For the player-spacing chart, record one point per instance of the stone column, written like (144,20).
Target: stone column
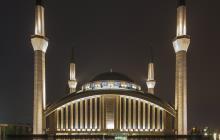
(40,44)
(76,115)
(58,123)
(129,113)
(81,114)
(86,114)
(181,92)
(120,127)
(96,115)
(148,118)
(134,114)
(100,113)
(124,123)
(158,118)
(67,120)
(153,117)
(163,120)
(91,114)
(39,92)
(139,114)
(144,117)
(103,113)
(61,124)
(181,44)
(71,115)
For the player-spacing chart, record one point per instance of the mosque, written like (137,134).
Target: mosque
(111,103)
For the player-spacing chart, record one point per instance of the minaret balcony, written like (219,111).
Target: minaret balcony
(181,43)
(39,43)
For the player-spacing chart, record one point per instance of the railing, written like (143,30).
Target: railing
(110,85)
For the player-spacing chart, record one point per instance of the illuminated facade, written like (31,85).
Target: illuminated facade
(110,106)
(151,82)
(181,44)
(111,103)
(40,44)
(72,80)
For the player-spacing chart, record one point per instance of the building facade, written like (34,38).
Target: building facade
(14,129)
(110,103)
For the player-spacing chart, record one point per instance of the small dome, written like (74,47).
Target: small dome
(112,76)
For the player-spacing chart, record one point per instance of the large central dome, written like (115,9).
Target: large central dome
(112,76)
(111,81)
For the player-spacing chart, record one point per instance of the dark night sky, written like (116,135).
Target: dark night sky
(110,34)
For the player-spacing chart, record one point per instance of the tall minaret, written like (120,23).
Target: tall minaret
(72,81)
(150,80)
(181,44)
(40,44)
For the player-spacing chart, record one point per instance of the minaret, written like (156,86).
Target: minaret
(40,44)
(150,80)
(181,44)
(72,81)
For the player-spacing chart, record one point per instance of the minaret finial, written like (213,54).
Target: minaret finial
(40,2)
(181,2)
(151,59)
(72,56)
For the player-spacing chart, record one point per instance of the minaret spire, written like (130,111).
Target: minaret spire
(39,18)
(72,81)
(40,44)
(40,2)
(181,44)
(181,3)
(150,80)
(181,18)
(151,55)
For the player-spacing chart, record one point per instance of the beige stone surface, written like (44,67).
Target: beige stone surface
(181,91)
(39,92)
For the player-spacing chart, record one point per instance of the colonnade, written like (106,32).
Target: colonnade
(139,115)
(81,115)
(106,112)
